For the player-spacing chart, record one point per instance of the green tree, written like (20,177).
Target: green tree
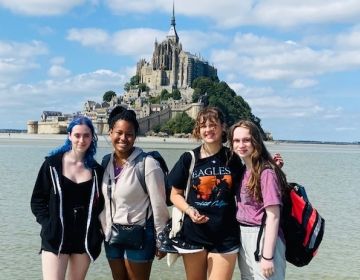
(220,95)
(181,123)
(127,86)
(154,100)
(176,95)
(108,95)
(134,80)
(156,128)
(164,95)
(143,87)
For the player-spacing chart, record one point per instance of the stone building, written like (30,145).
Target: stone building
(171,66)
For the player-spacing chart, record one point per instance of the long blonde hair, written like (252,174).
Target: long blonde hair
(260,159)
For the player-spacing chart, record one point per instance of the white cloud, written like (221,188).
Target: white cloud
(27,50)
(266,103)
(345,128)
(234,13)
(66,95)
(45,30)
(263,58)
(136,42)
(58,71)
(304,83)
(40,7)
(89,37)
(349,39)
(18,58)
(138,6)
(57,60)
(196,41)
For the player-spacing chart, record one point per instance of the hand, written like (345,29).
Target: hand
(159,254)
(195,216)
(278,160)
(267,267)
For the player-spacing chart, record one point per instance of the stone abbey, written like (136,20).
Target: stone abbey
(170,68)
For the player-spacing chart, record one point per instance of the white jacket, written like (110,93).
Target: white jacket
(129,201)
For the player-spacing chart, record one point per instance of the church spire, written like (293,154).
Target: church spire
(173,17)
(172,35)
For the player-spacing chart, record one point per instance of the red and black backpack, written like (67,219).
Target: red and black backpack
(302,225)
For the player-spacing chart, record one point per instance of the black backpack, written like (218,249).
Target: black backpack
(302,225)
(140,170)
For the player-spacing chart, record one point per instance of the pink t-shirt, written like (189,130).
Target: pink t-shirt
(251,212)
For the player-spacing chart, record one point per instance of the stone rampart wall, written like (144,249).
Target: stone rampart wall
(146,124)
(52,127)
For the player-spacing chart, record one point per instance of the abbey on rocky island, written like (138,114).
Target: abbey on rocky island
(170,68)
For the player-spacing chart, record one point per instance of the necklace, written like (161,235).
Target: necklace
(205,152)
(118,167)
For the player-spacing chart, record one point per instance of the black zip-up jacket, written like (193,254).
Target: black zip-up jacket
(47,206)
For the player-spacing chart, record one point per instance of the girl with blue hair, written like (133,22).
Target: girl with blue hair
(66,202)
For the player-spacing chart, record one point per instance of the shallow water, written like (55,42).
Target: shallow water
(328,172)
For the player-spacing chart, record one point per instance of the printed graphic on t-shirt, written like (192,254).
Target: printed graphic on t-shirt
(211,183)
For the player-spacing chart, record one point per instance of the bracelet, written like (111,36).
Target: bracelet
(189,208)
(267,259)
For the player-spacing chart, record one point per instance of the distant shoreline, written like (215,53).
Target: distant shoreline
(156,139)
(315,142)
(101,138)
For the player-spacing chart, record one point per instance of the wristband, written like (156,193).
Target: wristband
(189,208)
(267,259)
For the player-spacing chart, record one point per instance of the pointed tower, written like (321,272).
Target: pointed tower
(172,35)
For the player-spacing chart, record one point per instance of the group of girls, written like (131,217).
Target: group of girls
(70,202)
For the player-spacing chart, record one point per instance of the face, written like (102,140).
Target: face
(122,137)
(80,137)
(242,142)
(211,132)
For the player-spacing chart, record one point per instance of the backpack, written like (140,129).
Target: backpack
(302,225)
(140,170)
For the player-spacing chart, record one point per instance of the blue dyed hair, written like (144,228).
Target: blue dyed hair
(89,160)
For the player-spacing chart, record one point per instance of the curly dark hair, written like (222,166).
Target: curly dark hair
(121,113)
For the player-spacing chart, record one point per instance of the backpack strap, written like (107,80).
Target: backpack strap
(257,251)
(105,160)
(261,230)
(140,170)
(191,169)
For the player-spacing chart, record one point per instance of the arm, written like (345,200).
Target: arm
(271,234)
(156,190)
(41,194)
(177,198)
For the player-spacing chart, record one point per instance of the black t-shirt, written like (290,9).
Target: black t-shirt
(212,192)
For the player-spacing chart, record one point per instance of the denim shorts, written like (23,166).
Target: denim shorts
(143,255)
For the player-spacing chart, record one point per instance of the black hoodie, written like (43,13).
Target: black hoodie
(47,206)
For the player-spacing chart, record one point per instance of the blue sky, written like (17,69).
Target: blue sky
(295,62)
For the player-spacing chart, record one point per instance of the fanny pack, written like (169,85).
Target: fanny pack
(126,236)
